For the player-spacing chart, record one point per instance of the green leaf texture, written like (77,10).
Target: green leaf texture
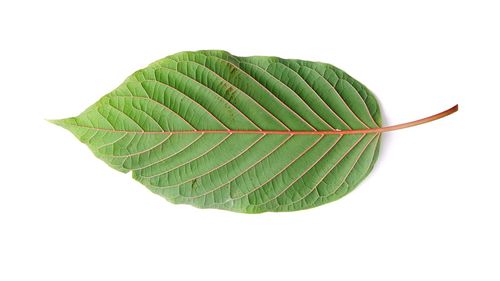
(245,134)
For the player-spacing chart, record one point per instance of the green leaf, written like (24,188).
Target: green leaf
(245,134)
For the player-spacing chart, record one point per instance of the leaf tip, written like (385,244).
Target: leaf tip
(58,122)
(61,122)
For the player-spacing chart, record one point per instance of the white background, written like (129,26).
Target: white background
(429,210)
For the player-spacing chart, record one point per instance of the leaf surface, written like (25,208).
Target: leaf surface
(245,134)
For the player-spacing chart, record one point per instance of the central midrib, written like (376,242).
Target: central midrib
(258,132)
(284,132)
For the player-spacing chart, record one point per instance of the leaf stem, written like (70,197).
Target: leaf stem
(416,122)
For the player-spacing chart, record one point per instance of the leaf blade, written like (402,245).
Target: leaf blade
(213,130)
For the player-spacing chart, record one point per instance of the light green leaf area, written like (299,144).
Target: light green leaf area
(214,130)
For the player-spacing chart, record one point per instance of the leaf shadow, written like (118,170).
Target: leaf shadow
(385,140)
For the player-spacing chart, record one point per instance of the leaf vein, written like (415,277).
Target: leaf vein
(265,88)
(217,94)
(188,97)
(187,163)
(170,156)
(282,170)
(329,171)
(241,91)
(246,170)
(338,94)
(317,94)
